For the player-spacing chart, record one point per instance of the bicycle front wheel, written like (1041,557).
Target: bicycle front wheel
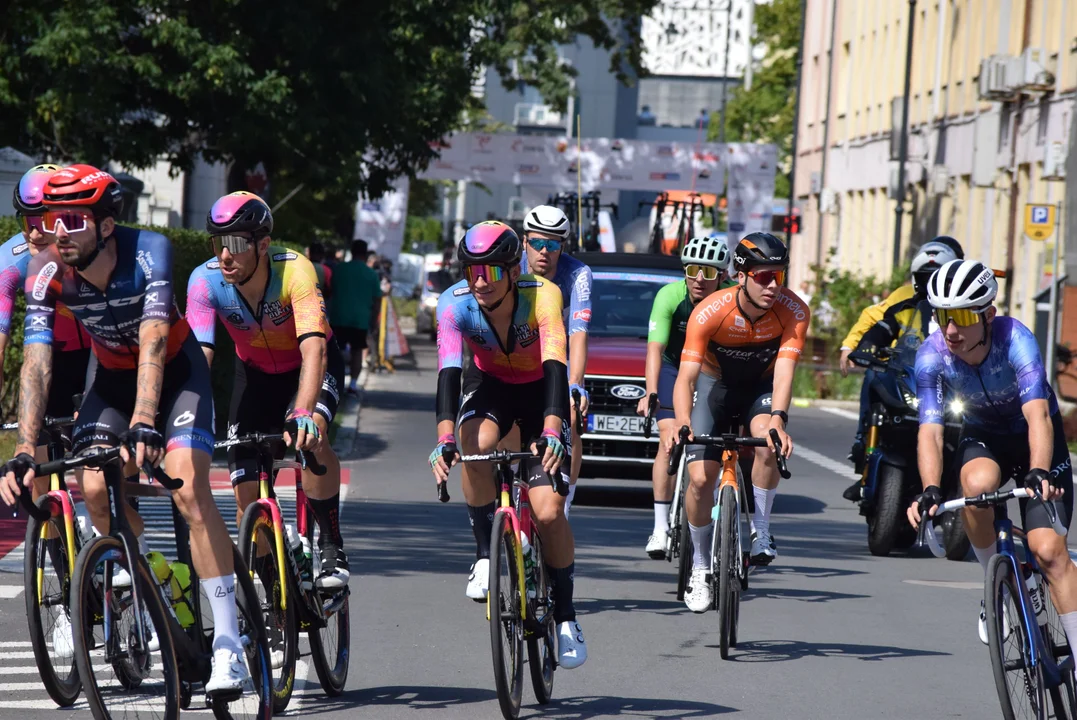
(684,535)
(504,609)
(122,676)
(47,584)
(330,644)
(1019,683)
(257,545)
(727,565)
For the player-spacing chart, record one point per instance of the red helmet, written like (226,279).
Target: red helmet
(84,186)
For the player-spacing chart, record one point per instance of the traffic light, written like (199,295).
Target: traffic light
(783,223)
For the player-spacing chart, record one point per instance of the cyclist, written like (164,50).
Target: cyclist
(870,316)
(546,230)
(290,370)
(1012,427)
(512,325)
(904,324)
(750,338)
(705,261)
(150,377)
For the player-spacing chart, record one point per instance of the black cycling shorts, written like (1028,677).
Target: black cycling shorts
(356,337)
(506,404)
(1011,453)
(184,413)
(667,378)
(719,409)
(260,402)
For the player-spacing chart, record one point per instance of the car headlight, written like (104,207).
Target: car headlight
(430,301)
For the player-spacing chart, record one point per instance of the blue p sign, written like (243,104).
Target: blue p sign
(1039,215)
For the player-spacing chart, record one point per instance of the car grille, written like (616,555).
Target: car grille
(605,403)
(620,449)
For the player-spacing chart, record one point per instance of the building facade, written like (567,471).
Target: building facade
(990,107)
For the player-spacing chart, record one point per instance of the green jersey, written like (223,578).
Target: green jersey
(669,320)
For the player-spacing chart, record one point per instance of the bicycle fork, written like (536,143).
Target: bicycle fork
(506,508)
(63,498)
(278,534)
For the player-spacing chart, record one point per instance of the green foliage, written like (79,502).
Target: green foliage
(840,296)
(420,230)
(809,382)
(765,113)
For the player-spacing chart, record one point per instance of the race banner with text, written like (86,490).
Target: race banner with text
(751,188)
(381,222)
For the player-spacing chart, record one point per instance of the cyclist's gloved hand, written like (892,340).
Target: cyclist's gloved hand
(929,498)
(555,451)
(301,429)
(446,447)
(585,399)
(148,444)
(1042,482)
(13,477)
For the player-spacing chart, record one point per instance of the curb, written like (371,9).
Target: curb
(813,402)
(348,433)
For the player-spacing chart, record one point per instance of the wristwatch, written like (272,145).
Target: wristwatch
(782,414)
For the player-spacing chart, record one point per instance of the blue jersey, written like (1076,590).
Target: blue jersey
(140,288)
(574,279)
(993,392)
(14,261)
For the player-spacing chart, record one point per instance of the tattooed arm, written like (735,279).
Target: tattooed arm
(152,350)
(34,386)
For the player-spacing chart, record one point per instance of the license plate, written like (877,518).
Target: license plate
(621,424)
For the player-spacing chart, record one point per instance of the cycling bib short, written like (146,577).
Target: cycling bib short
(720,409)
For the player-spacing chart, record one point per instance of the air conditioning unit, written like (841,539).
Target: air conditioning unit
(997,79)
(828,202)
(536,115)
(1033,74)
(1054,161)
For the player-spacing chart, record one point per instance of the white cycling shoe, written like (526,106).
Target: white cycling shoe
(478,582)
(656,545)
(763,550)
(230,674)
(982,625)
(571,647)
(63,639)
(698,596)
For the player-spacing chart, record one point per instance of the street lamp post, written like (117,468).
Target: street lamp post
(903,151)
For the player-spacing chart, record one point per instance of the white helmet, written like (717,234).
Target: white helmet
(932,256)
(713,251)
(962,284)
(547,219)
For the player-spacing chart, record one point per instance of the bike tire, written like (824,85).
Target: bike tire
(256,652)
(727,567)
(888,513)
(1001,590)
(61,683)
(503,609)
(330,644)
(676,510)
(684,562)
(257,523)
(542,647)
(84,606)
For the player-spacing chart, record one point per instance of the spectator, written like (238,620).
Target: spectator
(316,253)
(646,117)
(372,260)
(703,120)
(357,290)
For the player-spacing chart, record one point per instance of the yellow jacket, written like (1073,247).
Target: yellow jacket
(873,314)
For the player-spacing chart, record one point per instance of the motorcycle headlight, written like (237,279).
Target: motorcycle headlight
(957,407)
(910,398)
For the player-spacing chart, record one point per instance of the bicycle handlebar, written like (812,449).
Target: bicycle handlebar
(50,423)
(864,359)
(928,536)
(305,458)
(728,441)
(579,415)
(504,456)
(648,419)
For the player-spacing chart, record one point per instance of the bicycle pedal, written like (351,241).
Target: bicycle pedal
(223,696)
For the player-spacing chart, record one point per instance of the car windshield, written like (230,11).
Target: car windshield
(438,281)
(621,300)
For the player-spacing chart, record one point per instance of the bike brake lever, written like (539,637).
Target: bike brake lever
(783,469)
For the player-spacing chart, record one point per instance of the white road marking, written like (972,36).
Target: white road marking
(953,585)
(841,469)
(7,592)
(841,412)
(14,644)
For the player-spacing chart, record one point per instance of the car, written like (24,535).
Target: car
(622,292)
(438,279)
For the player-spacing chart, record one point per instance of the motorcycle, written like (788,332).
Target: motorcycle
(890,478)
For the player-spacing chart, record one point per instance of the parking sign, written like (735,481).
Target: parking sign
(1039,221)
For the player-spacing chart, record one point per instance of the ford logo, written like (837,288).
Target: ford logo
(627,392)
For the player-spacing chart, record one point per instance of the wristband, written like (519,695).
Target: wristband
(782,414)
(447,438)
(298,412)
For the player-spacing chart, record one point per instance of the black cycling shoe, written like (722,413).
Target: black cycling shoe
(854,492)
(334,573)
(857,455)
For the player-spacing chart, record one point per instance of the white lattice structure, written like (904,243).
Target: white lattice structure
(688,37)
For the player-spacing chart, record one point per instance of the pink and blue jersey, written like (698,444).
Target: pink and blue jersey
(536,335)
(993,392)
(574,279)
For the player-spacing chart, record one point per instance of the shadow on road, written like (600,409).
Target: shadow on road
(578,708)
(812,596)
(396,400)
(783,650)
(367,445)
(419,697)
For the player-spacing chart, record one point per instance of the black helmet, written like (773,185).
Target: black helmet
(759,248)
(952,244)
(490,243)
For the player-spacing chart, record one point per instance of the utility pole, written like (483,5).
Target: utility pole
(725,66)
(826,131)
(796,129)
(903,151)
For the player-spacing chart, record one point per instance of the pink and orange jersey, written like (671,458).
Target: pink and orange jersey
(537,332)
(267,337)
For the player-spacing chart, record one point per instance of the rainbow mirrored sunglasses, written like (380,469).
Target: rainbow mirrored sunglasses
(489,273)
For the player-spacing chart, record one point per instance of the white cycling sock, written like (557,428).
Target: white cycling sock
(1069,622)
(764,499)
(221,592)
(661,517)
(568,498)
(984,555)
(701,545)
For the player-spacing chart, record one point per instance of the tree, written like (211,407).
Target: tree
(336,96)
(765,113)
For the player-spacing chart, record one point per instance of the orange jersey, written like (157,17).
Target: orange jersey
(720,331)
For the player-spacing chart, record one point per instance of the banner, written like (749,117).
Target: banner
(392,342)
(381,222)
(751,188)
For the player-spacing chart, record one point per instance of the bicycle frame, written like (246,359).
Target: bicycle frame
(520,523)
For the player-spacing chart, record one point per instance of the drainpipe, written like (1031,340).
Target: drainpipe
(1011,235)
(826,132)
(903,151)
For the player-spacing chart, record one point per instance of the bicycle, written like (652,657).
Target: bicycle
(130,617)
(519,605)
(676,520)
(657,230)
(730,563)
(52,544)
(1016,597)
(289,599)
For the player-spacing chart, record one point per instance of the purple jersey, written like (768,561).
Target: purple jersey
(993,392)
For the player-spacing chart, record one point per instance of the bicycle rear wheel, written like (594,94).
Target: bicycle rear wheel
(541,644)
(330,646)
(256,535)
(122,678)
(505,613)
(47,585)
(726,564)
(676,510)
(1020,686)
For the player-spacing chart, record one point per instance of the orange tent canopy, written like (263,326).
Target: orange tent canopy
(707,199)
